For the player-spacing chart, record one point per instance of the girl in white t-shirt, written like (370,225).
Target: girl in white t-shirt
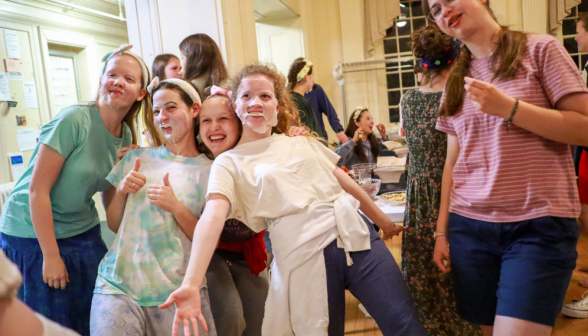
(292,187)
(159,197)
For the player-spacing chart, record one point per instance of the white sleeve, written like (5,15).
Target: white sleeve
(10,278)
(331,158)
(221,182)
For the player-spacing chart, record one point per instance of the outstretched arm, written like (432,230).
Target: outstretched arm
(367,206)
(206,235)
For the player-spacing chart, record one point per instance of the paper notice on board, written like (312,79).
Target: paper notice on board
(30,92)
(4,89)
(27,139)
(12,44)
(15,76)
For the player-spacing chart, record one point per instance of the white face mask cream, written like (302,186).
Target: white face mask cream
(256,104)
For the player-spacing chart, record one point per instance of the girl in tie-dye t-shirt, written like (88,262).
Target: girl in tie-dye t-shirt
(160,196)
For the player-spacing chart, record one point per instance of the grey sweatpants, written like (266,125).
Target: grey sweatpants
(118,315)
(237,297)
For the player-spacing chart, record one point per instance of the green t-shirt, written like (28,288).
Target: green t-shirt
(80,136)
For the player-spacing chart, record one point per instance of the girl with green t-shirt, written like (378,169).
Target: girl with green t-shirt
(49,225)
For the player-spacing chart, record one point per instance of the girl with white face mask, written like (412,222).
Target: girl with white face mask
(507,221)
(159,198)
(50,216)
(292,187)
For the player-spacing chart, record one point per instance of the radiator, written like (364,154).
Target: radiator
(5,190)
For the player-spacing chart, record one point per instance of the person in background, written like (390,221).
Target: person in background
(320,104)
(512,102)
(202,62)
(166,66)
(50,226)
(300,81)
(364,146)
(16,319)
(579,309)
(432,290)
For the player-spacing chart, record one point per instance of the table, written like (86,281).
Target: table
(395,213)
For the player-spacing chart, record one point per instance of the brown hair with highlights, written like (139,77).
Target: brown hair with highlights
(511,46)
(350,132)
(430,43)
(203,59)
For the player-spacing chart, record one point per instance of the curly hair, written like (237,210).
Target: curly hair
(430,43)
(287,111)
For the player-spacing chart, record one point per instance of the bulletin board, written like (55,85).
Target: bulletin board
(20,124)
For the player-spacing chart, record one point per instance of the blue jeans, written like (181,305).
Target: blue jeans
(375,280)
(520,270)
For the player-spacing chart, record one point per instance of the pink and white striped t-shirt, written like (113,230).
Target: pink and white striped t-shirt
(507,174)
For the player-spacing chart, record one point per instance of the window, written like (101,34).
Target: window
(399,73)
(569,33)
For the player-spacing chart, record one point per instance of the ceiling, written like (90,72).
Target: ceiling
(275,9)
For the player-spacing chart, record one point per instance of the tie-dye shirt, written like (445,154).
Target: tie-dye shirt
(150,253)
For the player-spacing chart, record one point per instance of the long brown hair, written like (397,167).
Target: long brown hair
(143,104)
(350,132)
(295,68)
(505,60)
(159,64)
(287,112)
(203,58)
(149,121)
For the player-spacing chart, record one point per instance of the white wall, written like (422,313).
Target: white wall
(280,42)
(42,24)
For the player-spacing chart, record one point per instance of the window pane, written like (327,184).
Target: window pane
(408,79)
(403,27)
(390,46)
(405,44)
(404,9)
(573,12)
(584,60)
(417,10)
(394,115)
(583,7)
(393,97)
(570,44)
(418,23)
(393,81)
(391,31)
(576,59)
(569,27)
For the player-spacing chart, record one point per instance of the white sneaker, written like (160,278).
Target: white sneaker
(577,309)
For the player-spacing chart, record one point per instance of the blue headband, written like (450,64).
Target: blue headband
(451,54)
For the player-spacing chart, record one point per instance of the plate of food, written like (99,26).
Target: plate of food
(396,198)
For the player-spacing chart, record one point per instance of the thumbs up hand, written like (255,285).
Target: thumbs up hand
(134,180)
(163,196)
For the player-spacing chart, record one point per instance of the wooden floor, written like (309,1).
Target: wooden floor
(358,325)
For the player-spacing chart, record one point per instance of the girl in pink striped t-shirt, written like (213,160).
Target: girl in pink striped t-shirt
(512,105)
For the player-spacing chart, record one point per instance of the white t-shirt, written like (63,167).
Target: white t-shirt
(150,253)
(274,177)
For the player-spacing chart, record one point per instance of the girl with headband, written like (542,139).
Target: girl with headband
(512,106)
(300,81)
(432,290)
(321,244)
(159,198)
(363,145)
(50,226)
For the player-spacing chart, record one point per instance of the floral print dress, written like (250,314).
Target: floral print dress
(431,289)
